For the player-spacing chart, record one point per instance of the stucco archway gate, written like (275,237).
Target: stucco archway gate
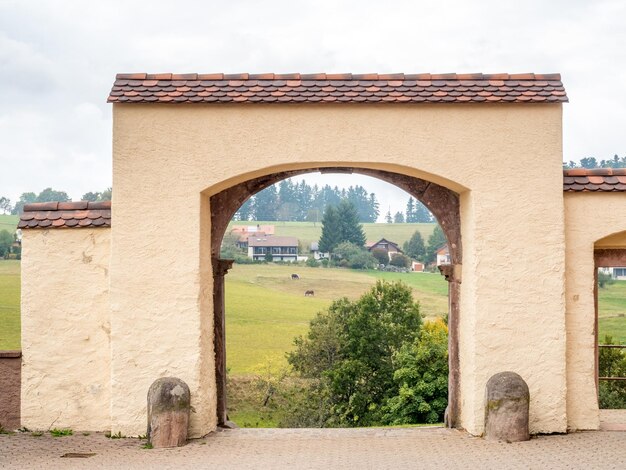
(117,302)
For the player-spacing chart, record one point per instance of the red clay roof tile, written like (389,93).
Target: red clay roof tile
(342,87)
(597,179)
(66,215)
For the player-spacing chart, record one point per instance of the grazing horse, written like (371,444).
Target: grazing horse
(295,277)
(309,293)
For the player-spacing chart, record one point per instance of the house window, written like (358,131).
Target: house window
(276,250)
(619,272)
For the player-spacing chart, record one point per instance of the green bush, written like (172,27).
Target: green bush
(381,256)
(399,260)
(612,363)
(312,262)
(348,354)
(604,279)
(422,378)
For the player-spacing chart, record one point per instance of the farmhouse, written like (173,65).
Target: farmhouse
(244,232)
(281,248)
(385,245)
(443,255)
(316,253)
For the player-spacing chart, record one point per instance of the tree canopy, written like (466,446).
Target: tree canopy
(350,349)
(341,224)
(414,247)
(435,241)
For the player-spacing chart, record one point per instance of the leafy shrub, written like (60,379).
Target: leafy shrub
(312,262)
(421,376)
(381,256)
(604,279)
(612,363)
(348,355)
(399,260)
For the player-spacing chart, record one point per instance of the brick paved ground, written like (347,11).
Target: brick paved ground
(311,448)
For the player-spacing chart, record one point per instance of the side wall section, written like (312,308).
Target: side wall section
(10,376)
(588,218)
(65,328)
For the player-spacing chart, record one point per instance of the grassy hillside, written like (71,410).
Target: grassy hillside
(308,232)
(9,222)
(265,309)
(9,304)
(612,312)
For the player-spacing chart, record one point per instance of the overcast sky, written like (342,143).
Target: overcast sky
(58,59)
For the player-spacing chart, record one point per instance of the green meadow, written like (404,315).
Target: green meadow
(612,312)
(9,222)
(266,309)
(9,304)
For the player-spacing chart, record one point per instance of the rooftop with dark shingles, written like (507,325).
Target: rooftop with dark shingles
(66,215)
(597,179)
(338,88)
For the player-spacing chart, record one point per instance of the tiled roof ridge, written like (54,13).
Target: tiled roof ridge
(55,214)
(66,206)
(595,180)
(337,88)
(594,172)
(338,76)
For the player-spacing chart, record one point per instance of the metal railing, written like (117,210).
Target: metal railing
(612,346)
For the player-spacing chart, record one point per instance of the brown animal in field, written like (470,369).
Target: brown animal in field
(309,293)
(295,277)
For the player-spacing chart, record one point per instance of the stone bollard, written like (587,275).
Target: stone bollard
(506,408)
(169,403)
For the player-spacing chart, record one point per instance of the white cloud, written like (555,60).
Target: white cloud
(58,60)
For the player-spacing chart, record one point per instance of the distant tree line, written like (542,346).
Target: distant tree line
(299,202)
(592,162)
(48,195)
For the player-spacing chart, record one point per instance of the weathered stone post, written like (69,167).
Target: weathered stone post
(169,402)
(506,408)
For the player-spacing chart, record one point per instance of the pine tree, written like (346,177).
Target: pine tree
(398,218)
(388,218)
(435,241)
(414,247)
(266,204)
(350,230)
(245,211)
(374,208)
(330,230)
(421,214)
(410,211)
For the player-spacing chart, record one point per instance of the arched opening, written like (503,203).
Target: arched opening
(441,201)
(610,327)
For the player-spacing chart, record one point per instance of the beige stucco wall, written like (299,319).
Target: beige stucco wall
(589,217)
(505,160)
(65,329)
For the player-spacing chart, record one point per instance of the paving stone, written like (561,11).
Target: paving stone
(371,448)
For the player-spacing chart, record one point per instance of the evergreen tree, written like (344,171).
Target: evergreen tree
(410,211)
(374,208)
(398,218)
(421,214)
(350,230)
(265,204)
(388,218)
(414,247)
(245,211)
(303,199)
(330,230)
(435,241)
